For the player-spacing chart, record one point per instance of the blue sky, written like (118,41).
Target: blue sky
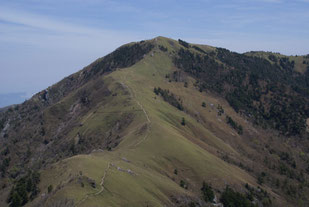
(42,41)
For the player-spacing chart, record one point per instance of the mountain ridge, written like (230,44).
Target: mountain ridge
(106,121)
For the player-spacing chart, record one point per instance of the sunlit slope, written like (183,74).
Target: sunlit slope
(140,169)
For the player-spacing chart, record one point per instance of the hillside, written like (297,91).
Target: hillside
(147,124)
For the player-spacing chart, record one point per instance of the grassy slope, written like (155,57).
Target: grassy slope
(152,148)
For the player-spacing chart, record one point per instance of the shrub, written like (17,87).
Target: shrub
(162,48)
(50,188)
(199,49)
(183,184)
(183,121)
(208,194)
(175,171)
(25,189)
(169,97)
(260,180)
(273,58)
(234,125)
(16,200)
(230,198)
(220,110)
(183,43)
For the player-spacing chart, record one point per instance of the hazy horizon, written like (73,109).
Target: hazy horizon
(44,41)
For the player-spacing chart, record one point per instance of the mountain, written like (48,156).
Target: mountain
(163,123)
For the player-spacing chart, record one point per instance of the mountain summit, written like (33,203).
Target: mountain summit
(163,123)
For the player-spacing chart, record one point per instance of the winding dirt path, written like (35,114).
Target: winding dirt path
(100,191)
(141,106)
(102,180)
(133,96)
(148,122)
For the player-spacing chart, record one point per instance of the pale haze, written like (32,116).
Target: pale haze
(41,42)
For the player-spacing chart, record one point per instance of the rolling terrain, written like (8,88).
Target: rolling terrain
(147,124)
